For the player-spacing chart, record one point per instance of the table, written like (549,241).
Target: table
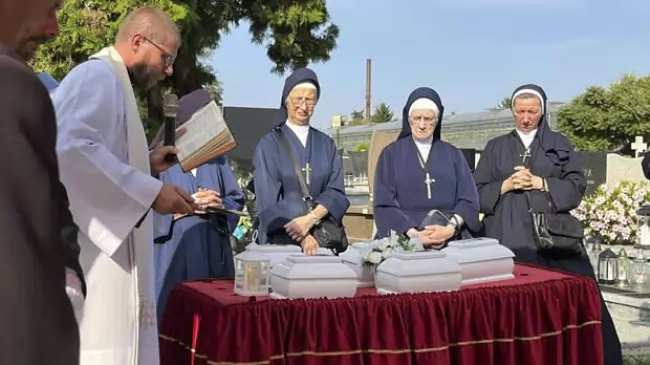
(541,317)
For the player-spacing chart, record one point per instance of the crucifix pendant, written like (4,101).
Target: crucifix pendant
(428,181)
(307,171)
(524,158)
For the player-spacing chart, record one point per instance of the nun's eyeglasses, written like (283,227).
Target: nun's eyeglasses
(418,120)
(297,102)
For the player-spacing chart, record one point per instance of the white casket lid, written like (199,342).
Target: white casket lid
(273,248)
(252,256)
(300,267)
(403,263)
(477,250)
(354,253)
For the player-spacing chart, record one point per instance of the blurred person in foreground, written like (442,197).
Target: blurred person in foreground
(38,235)
(109,172)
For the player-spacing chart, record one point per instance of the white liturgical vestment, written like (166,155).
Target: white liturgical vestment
(104,162)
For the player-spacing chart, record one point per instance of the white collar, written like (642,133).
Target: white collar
(527,137)
(423,142)
(301,131)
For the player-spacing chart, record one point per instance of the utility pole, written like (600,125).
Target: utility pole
(368,78)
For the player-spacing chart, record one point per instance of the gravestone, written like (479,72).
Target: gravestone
(594,166)
(470,157)
(359,163)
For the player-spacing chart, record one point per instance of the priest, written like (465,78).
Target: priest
(284,217)
(535,168)
(196,246)
(423,186)
(107,169)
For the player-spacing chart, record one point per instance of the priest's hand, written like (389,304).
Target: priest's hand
(309,245)
(158,161)
(299,227)
(172,199)
(206,198)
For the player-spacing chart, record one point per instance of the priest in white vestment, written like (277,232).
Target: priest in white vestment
(106,166)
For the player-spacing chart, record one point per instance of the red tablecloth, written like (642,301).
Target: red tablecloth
(541,317)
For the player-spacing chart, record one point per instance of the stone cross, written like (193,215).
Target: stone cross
(638,146)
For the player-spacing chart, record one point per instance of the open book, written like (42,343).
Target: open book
(206,136)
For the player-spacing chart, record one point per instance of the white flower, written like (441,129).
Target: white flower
(375,257)
(383,246)
(386,253)
(393,243)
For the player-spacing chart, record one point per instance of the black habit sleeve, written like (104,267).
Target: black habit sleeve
(645,165)
(569,188)
(488,186)
(34,308)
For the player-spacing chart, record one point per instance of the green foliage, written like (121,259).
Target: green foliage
(363,146)
(383,114)
(357,117)
(603,119)
(636,359)
(505,103)
(294,32)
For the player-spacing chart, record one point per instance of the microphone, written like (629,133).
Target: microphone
(170,108)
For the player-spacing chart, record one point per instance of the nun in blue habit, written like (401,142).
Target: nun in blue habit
(423,186)
(199,246)
(282,212)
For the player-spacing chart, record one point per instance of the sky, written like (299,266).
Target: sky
(473,52)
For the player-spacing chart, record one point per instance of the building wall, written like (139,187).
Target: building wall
(462,134)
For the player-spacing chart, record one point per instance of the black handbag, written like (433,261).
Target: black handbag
(556,234)
(329,233)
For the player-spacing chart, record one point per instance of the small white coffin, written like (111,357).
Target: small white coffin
(482,260)
(275,253)
(353,257)
(417,272)
(312,277)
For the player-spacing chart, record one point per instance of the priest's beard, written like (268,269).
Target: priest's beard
(143,76)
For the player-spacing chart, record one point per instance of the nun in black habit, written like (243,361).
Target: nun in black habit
(534,159)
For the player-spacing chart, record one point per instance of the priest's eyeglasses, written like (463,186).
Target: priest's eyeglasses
(422,119)
(168,59)
(297,102)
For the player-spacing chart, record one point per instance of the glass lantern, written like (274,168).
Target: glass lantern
(638,269)
(643,226)
(252,274)
(622,279)
(593,251)
(607,267)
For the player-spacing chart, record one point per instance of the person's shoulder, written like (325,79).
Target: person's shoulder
(323,137)
(561,140)
(495,142)
(24,99)
(267,142)
(91,75)
(19,81)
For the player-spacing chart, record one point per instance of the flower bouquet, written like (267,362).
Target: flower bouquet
(381,249)
(609,215)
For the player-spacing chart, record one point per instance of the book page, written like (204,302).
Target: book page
(203,127)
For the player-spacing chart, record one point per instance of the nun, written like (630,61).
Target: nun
(283,215)
(198,246)
(423,186)
(535,169)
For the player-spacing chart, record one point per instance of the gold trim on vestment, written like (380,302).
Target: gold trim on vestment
(379,351)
